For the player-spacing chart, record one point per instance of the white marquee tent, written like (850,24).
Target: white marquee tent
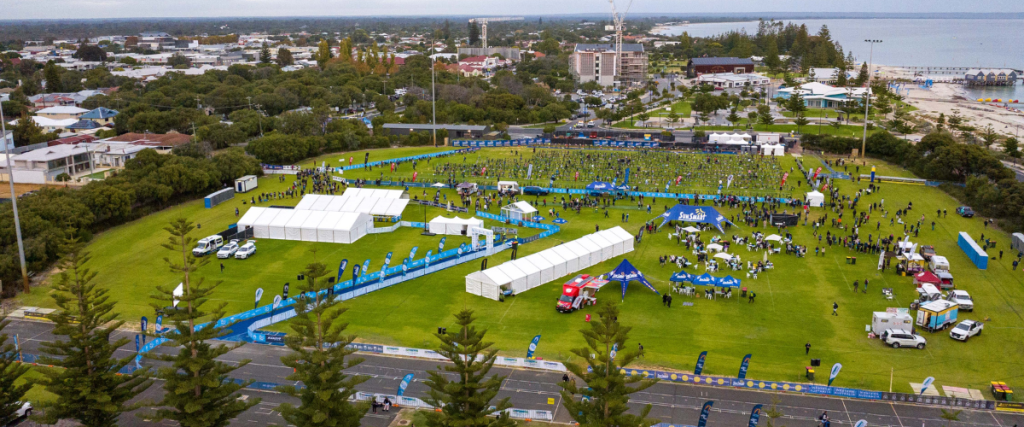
(309,226)
(773,150)
(261,225)
(585,260)
(572,261)
(729,139)
(352,226)
(547,269)
(559,264)
(277,226)
(369,201)
(519,211)
(815,199)
(531,271)
(518,279)
(293,228)
(453,226)
(325,230)
(249,218)
(374,193)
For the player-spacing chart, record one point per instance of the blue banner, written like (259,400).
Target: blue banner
(698,214)
(743,367)
(440,246)
(700,363)
(426,259)
(404,384)
(625,181)
(705,410)
(137,346)
(341,269)
(412,252)
(159,323)
(355,272)
(259,295)
(615,350)
(277,302)
(755,416)
(366,265)
(927,383)
(835,372)
(533,347)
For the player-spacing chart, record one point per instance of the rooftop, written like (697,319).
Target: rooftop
(64,109)
(153,139)
(626,47)
(52,153)
(721,61)
(100,113)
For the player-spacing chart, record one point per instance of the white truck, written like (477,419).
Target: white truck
(961,298)
(966,329)
(208,245)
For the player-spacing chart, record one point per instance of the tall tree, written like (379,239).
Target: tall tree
(771,54)
(284,57)
(197,390)
(764,116)
(1012,147)
(51,72)
(323,53)
(87,385)
(88,52)
(474,33)
(862,76)
(11,370)
(265,54)
(318,359)
(605,383)
(466,401)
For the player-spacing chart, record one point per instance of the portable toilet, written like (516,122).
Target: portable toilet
(882,320)
(936,315)
(1017,242)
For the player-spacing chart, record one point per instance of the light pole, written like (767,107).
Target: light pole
(14,201)
(867,98)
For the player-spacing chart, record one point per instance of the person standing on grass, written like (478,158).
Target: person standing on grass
(641,350)
(222,267)
(835,306)
(807,348)
(855,285)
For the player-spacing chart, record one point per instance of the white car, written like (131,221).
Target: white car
(228,250)
(247,250)
(961,298)
(966,329)
(903,338)
(24,412)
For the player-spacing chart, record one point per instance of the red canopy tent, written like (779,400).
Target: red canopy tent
(926,277)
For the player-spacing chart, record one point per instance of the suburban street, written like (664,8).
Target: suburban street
(531,389)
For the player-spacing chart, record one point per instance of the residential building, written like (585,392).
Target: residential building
(66,99)
(43,165)
(829,76)
(49,125)
(729,80)
(100,115)
(698,66)
(115,154)
(818,95)
(156,40)
(62,112)
(509,53)
(991,77)
(161,142)
(9,140)
(454,131)
(596,62)
(84,126)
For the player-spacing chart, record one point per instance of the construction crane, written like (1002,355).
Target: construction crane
(617,22)
(483,25)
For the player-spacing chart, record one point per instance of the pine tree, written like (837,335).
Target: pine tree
(52,75)
(198,392)
(319,358)
(606,388)
(466,402)
(771,56)
(87,384)
(11,369)
(863,76)
(323,53)
(265,54)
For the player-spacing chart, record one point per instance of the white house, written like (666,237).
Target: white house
(817,95)
(43,165)
(730,80)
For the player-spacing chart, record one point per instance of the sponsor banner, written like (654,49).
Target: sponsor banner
(764,385)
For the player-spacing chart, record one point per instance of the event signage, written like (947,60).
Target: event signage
(159,323)
(615,350)
(137,347)
(705,410)
(144,324)
(404,384)
(341,269)
(440,246)
(835,372)
(755,416)
(927,383)
(743,367)
(277,302)
(701,214)
(366,265)
(355,273)
(861,423)
(284,293)
(700,363)
(259,296)
(533,347)
(426,259)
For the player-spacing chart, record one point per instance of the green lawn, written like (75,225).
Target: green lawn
(793,304)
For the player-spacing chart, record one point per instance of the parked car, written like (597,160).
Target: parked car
(927,252)
(533,190)
(247,250)
(965,211)
(966,329)
(208,245)
(961,298)
(24,412)
(903,338)
(228,250)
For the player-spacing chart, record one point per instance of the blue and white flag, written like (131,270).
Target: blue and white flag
(277,302)
(412,252)
(384,268)
(355,273)
(17,344)
(159,323)
(404,384)
(743,367)
(705,410)
(835,372)
(366,265)
(144,324)
(426,259)
(440,246)
(259,296)
(700,363)
(755,416)
(927,383)
(861,423)
(533,347)
(137,346)
(529,171)
(615,350)
(341,269)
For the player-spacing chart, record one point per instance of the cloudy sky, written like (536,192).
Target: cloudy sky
(44,9)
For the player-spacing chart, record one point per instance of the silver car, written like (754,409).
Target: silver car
(903,338)
(228,250)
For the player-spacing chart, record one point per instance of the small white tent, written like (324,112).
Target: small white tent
(453,226)
(519,211)
(815,199)
(489,283)
(627,239)
(773,150)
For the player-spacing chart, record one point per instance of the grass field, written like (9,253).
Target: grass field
(793,305)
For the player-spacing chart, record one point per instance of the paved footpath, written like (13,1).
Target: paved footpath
(530,389)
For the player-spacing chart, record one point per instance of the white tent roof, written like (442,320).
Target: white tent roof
(321,203)
(293,228)
(367,205)
(381,207)
(250,216)
(310,225)
(492,276)
(397,207)
(351,204)
(336,204)
(307,202)
(538,260)
(523,207)
(325,230)
(815,193)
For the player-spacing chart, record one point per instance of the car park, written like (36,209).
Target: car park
(247,250)
(228,250)
(965,211)
(966,329)
(897,338)
(961,298)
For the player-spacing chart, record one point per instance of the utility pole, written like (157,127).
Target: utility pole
(867,99)
(14,203)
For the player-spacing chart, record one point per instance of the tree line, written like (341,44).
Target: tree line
(91,386)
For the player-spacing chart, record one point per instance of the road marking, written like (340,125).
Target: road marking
(993,414)
(897,414)
(847,411)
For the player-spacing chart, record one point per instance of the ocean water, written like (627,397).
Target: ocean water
(994,43)
(988,43)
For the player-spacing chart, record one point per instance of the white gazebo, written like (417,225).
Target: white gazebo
(519,211)
(815,199)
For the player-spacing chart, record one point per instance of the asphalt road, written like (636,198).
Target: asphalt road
(528,389)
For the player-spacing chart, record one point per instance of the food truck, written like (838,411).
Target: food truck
(937,315)
(579,292)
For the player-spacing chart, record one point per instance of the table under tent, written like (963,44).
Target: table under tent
(526,273)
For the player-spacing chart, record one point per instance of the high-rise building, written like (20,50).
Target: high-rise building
(596,62)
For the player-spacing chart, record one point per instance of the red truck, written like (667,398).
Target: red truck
(579,292)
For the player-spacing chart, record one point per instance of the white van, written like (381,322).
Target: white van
(208,245)
(938,263)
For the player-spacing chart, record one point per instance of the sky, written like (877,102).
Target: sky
(78,9)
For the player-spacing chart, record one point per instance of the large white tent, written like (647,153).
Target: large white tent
(261,225)
(584,254)
(572,261)
(607,248)
(307,202)
(309,226)
(325,230)
(487,283)
(547,269)
(277,226)
(374,193)
(351,227)
(249,218)
(615,240)
(531,271)
(369,201)
(627,239)
(518,280)
(336,204)
(293,228)
(558,264)
(815,199)
(453,226)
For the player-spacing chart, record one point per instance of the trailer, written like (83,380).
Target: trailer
(246,184)
(218,197)
(937,315)
(882,320)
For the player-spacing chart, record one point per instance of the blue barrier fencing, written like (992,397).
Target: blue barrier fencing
(832,172)
(403,159)
(500,142)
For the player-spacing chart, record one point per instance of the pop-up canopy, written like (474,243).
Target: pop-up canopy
(701,214)
(626,273)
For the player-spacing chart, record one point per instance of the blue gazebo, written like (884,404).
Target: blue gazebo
(626,273)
